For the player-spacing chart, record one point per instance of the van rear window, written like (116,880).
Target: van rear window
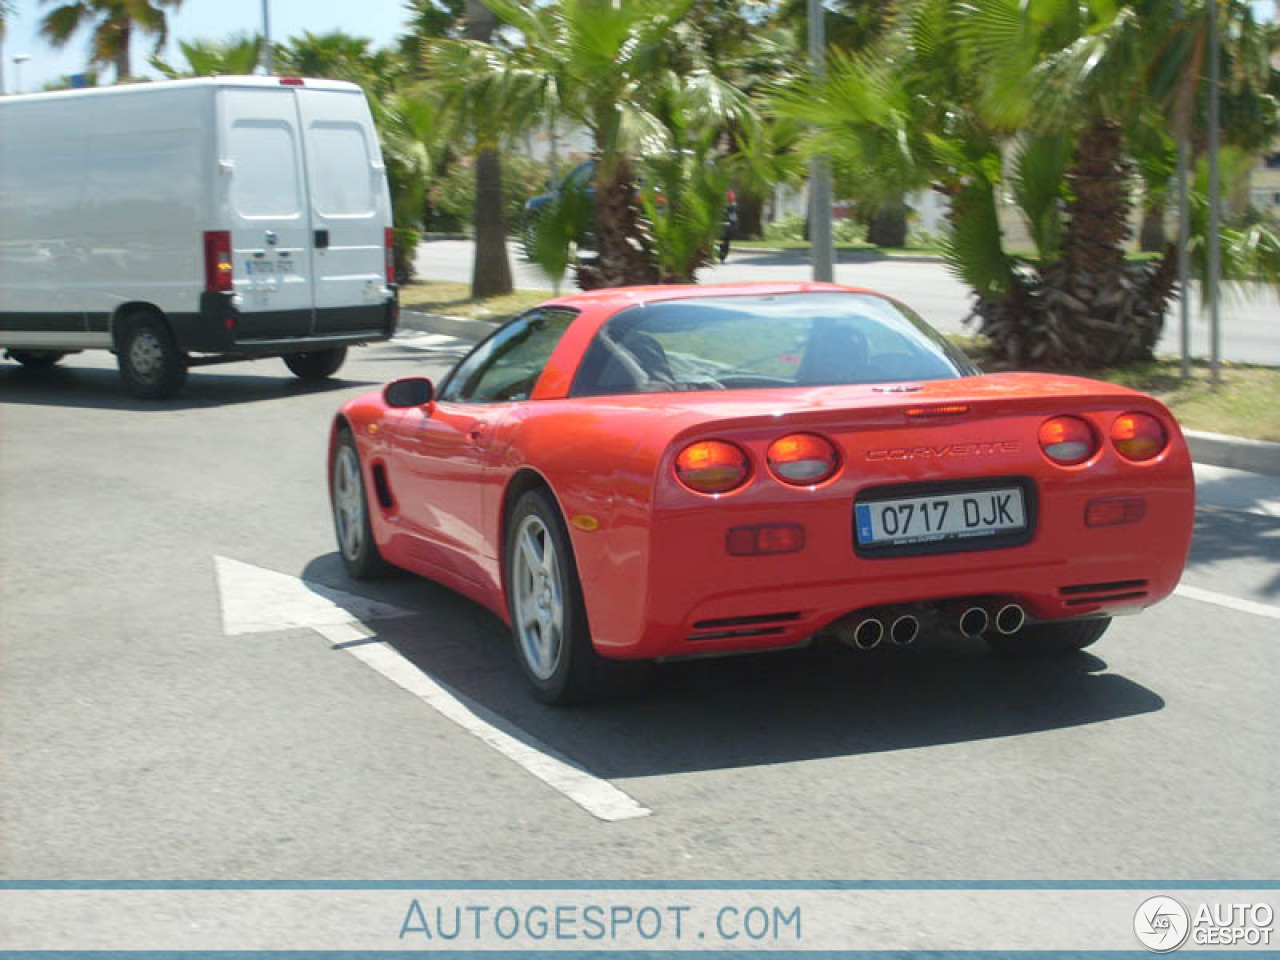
(340,170)
(264,182)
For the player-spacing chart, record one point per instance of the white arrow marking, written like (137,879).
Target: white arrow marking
(255,600)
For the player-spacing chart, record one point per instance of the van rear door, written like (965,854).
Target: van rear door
(270,216)
(350,211)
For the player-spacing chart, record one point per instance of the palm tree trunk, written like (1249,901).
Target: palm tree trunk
(491,269)
(750,214)
(624,248)
(888,226)
(123,66)
(1097,215)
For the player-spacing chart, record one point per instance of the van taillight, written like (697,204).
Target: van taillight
(389,240)
(217,261)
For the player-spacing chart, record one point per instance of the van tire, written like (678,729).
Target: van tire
(37,359)
(149,358)
(316,364)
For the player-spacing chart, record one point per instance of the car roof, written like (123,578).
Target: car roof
(619,297)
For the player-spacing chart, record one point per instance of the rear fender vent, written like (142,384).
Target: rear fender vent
(758,625)
(1082,594)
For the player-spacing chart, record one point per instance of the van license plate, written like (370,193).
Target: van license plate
(956,516)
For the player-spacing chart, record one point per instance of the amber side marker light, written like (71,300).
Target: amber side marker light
(712,466)
(1138,436)
(1067,440)
(802,459)
(764,539)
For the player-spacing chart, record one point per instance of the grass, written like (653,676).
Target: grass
(931,251)
(454,300)
(1247,404)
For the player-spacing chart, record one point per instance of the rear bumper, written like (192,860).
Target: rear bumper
(221,328)
(699,599)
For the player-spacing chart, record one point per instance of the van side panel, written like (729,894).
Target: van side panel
(42,156)
(146,204)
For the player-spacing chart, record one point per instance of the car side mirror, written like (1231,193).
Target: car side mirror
(408,392)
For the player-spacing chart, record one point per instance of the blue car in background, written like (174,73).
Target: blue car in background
(582,177)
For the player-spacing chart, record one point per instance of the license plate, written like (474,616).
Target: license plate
(954,516)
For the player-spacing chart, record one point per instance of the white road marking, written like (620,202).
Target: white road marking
(256,600)
(598,797)
(1233,603)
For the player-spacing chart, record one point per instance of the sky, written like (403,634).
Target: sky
(380,20)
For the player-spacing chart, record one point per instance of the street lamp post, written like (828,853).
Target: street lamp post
(266,38)
(18,60)
(1211,281)
(819,167)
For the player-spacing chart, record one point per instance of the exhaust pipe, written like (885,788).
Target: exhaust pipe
(904,630)
(974,622)
(1010,618)
(868,633)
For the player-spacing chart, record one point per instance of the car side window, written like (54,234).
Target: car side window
(507,365)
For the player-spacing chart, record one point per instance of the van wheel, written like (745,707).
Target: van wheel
(37,359)
(316,364)
(149,358)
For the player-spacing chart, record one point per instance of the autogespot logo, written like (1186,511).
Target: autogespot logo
(1161,924)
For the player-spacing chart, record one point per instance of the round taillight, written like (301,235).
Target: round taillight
(1138,436)
(712,466)
(1067,440)
(802,459)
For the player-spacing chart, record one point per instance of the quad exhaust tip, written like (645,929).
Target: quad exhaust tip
(974,622)
(904,630)
(1010,618)
(868,634)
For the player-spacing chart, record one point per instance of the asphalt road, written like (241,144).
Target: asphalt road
(1250,318)
(138,739)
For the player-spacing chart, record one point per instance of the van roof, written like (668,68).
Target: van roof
(187,83)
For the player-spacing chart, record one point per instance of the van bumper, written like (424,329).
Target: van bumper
(220,327)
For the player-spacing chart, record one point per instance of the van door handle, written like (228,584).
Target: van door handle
(322,239)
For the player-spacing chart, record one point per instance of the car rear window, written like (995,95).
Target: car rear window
(783,340)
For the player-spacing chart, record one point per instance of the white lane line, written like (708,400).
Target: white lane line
(1222,600)
(598,797)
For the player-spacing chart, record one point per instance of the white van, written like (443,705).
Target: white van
(192,222)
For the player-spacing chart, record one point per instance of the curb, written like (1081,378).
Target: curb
(1238,453)
(464,328)
(1215,449)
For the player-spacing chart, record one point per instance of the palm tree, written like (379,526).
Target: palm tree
(236,56)
(595,63)
(114,23)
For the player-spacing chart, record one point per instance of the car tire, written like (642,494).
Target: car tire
(150,361)
(350,504)
(548,617)
(1049,639)
(316,364)
(37,359)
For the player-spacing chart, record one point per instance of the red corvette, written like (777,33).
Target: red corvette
(635,474)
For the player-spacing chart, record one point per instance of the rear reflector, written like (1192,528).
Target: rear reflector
(802,459)
(765,539)
(217,261)
(712,466)
(1114,511)
(1067,440)
(1138,436)
(389,241)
